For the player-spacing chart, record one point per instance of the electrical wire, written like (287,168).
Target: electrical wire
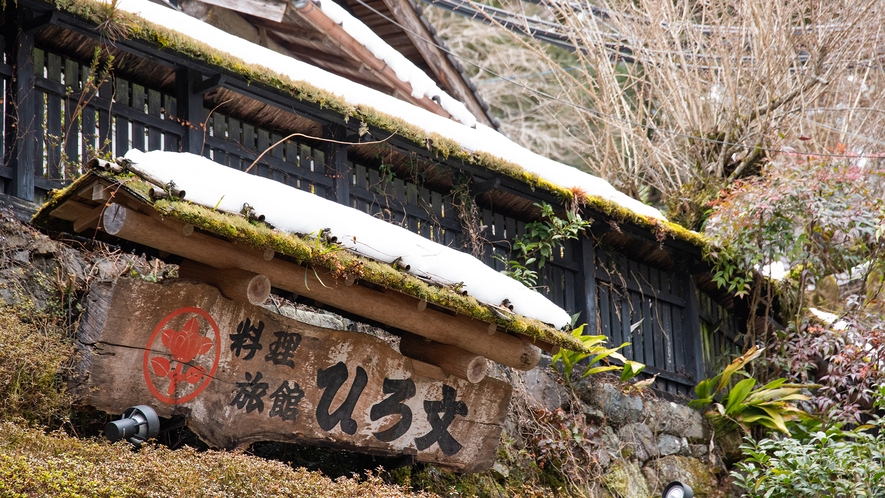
(594,112)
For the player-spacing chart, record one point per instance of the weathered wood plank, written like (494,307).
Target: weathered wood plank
(244,374)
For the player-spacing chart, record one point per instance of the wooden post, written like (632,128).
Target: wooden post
(589,273)
(391,308)
(691,332)
(451,359)
(336,166)
(190,109)
(239,285)
(20,101)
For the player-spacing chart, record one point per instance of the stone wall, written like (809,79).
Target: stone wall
(647,442)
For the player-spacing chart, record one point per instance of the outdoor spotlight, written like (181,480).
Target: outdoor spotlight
(677,490)
(138,424)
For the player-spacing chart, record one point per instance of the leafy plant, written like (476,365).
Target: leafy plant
(596,350)
(540,242)
(849,363)
(816,462)
(816,218)
(742,406)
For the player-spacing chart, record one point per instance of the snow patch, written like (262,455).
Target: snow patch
(296,211)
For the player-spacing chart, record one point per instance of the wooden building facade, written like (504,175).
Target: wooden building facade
(65,101)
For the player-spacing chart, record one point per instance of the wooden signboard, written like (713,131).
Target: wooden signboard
(242,374)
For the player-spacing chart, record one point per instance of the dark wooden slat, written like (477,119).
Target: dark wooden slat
(600,322)
(669,360)
(138,106)
(249,143)
(691,331)
(572,304)
(155,138)
(89,134)
(261,169)
(53,120)
(121,124)
(359,174)
(306,160)
(173,141)
(219,154)
(650,337)
(39,120)
(633,315)
(235,139)
(72,126)
(105,143)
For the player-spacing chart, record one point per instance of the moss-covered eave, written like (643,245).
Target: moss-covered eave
(166,39)
(306,251)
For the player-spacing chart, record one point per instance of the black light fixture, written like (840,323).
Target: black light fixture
(139,423)
(677,490)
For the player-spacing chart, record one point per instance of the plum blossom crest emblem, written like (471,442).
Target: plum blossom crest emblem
(184,362)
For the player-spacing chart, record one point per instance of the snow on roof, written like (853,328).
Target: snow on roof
(292,210)
(422,85)
(481,138)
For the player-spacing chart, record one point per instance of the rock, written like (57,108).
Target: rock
(15,241)
(544,392)
(729,444)
(638,440)
(593,416)
(625,480)
(610,444)
(323,320)
(23,257)
(671,445)
(619,409)
(107,269)
(668,417)
(698,451)
(651,478)
(684,469)
(44,246)
(500,470)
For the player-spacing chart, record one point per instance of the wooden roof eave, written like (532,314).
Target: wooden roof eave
(123,210)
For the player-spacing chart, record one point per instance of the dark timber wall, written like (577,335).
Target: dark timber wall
(59,110)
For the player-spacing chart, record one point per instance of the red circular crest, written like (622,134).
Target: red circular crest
(181,366)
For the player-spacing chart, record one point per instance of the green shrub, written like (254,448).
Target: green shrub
(818,462)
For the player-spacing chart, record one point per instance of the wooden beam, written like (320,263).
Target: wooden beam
(70,211)
(444,70)
(391,308)
(451,359)
(89,219)
(315,16)
(239,285)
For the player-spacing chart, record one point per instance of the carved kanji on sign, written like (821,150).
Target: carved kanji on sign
(249,393)
(331,380)
(441,414)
